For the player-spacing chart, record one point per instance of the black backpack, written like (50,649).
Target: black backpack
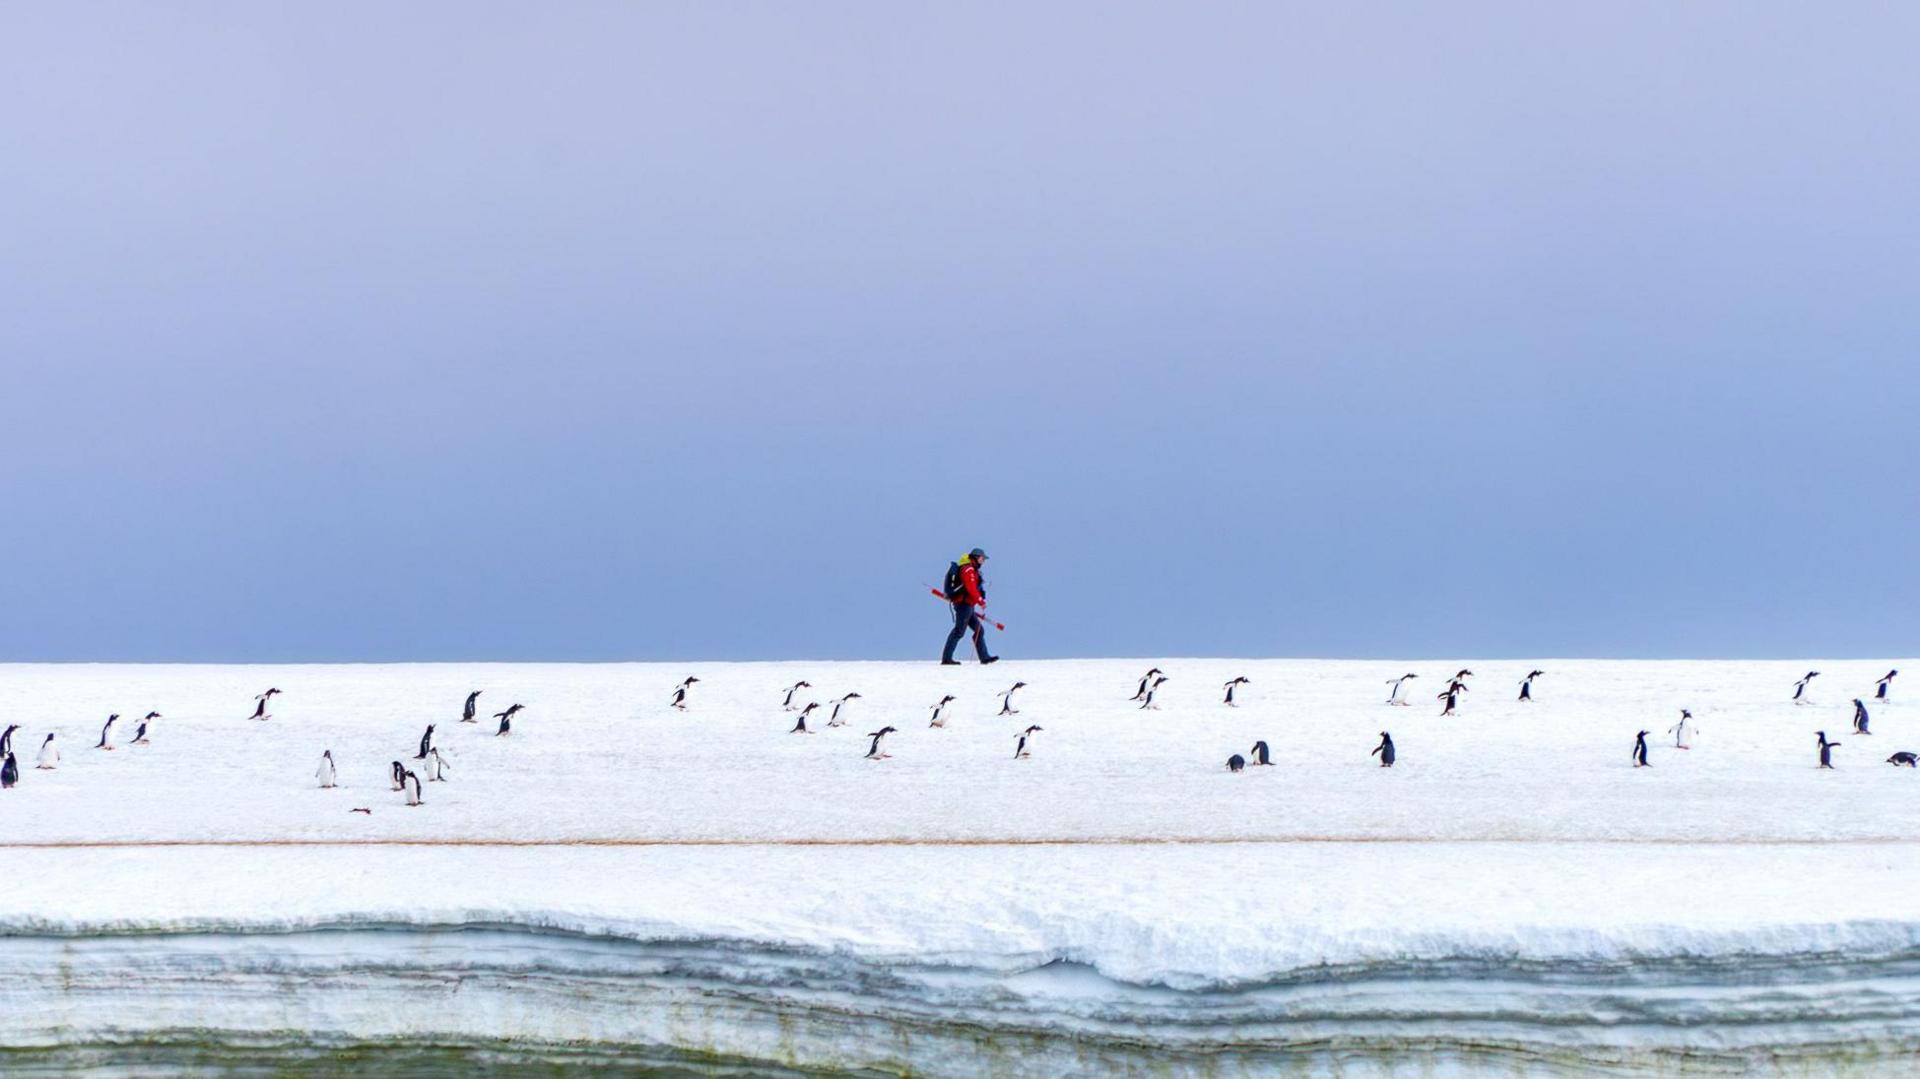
(956,589)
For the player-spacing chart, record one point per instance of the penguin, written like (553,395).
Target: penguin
(1451,695)
(1145,680)
(1800,688)
(1526,687)
(260,707)
(1006,700)
(1384,750)
(49,755)
(398,773)
(1146,703)
(833,718)
(873,751)
(437,767)
(106,733)
(1260,757)
(1880,692)
(411,784)
(801,726)
(1020,751)
(1397,683)
(268,695)
(140,733)
(426,743)
(9,772)
(680,693)
(6,739)
(1240,681)
(1860,717)
(1826,748)
(466,711)
(1640,750)
(506,720)
(1236,762)
(1904,759)
(368,812)
(1462,673)
(325,774)
(1682,730)
(940,711)
(787,704)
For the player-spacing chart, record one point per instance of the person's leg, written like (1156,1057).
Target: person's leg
(979,637)
(960,619)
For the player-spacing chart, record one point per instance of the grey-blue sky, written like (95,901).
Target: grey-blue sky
(713,331)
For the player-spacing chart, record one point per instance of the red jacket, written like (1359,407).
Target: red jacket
(970,580)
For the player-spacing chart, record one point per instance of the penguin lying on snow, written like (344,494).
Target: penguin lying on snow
(1903,759)
(1236,762)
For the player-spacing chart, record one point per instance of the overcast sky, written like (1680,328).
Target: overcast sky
(578,331)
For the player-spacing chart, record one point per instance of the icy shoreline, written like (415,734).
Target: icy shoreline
(970,960)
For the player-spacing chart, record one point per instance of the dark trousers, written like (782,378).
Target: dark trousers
(964,619)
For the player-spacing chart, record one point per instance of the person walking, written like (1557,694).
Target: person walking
(967,594)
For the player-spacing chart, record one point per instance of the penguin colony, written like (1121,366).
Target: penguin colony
(437,769)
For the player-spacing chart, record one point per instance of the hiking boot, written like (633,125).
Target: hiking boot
(949,663)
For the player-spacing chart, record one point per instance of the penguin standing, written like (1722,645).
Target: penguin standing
(873,751)
(940,711)
(437,767)
(426,744)
(1260,757)
(1682,731)
(1006,700)
(680,693)
(106,733)
(398,773)
(833,718)
(787,705)
(1904,759)
(1384,750)
(1148,701)
(411,784)
(1236,762)
(1860,717)
(9,772)
(506,720)
(801,726)
(140,734)
(466,711)
(1526,687)
(6,739)
(1826,748)
(1640,750)
(1451,695)
(1020,751)
(1145,680)
(49,755)
(260,705)
(1397,684)
(1240,681)
(325,774)
(1881,687)
(1800,688)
